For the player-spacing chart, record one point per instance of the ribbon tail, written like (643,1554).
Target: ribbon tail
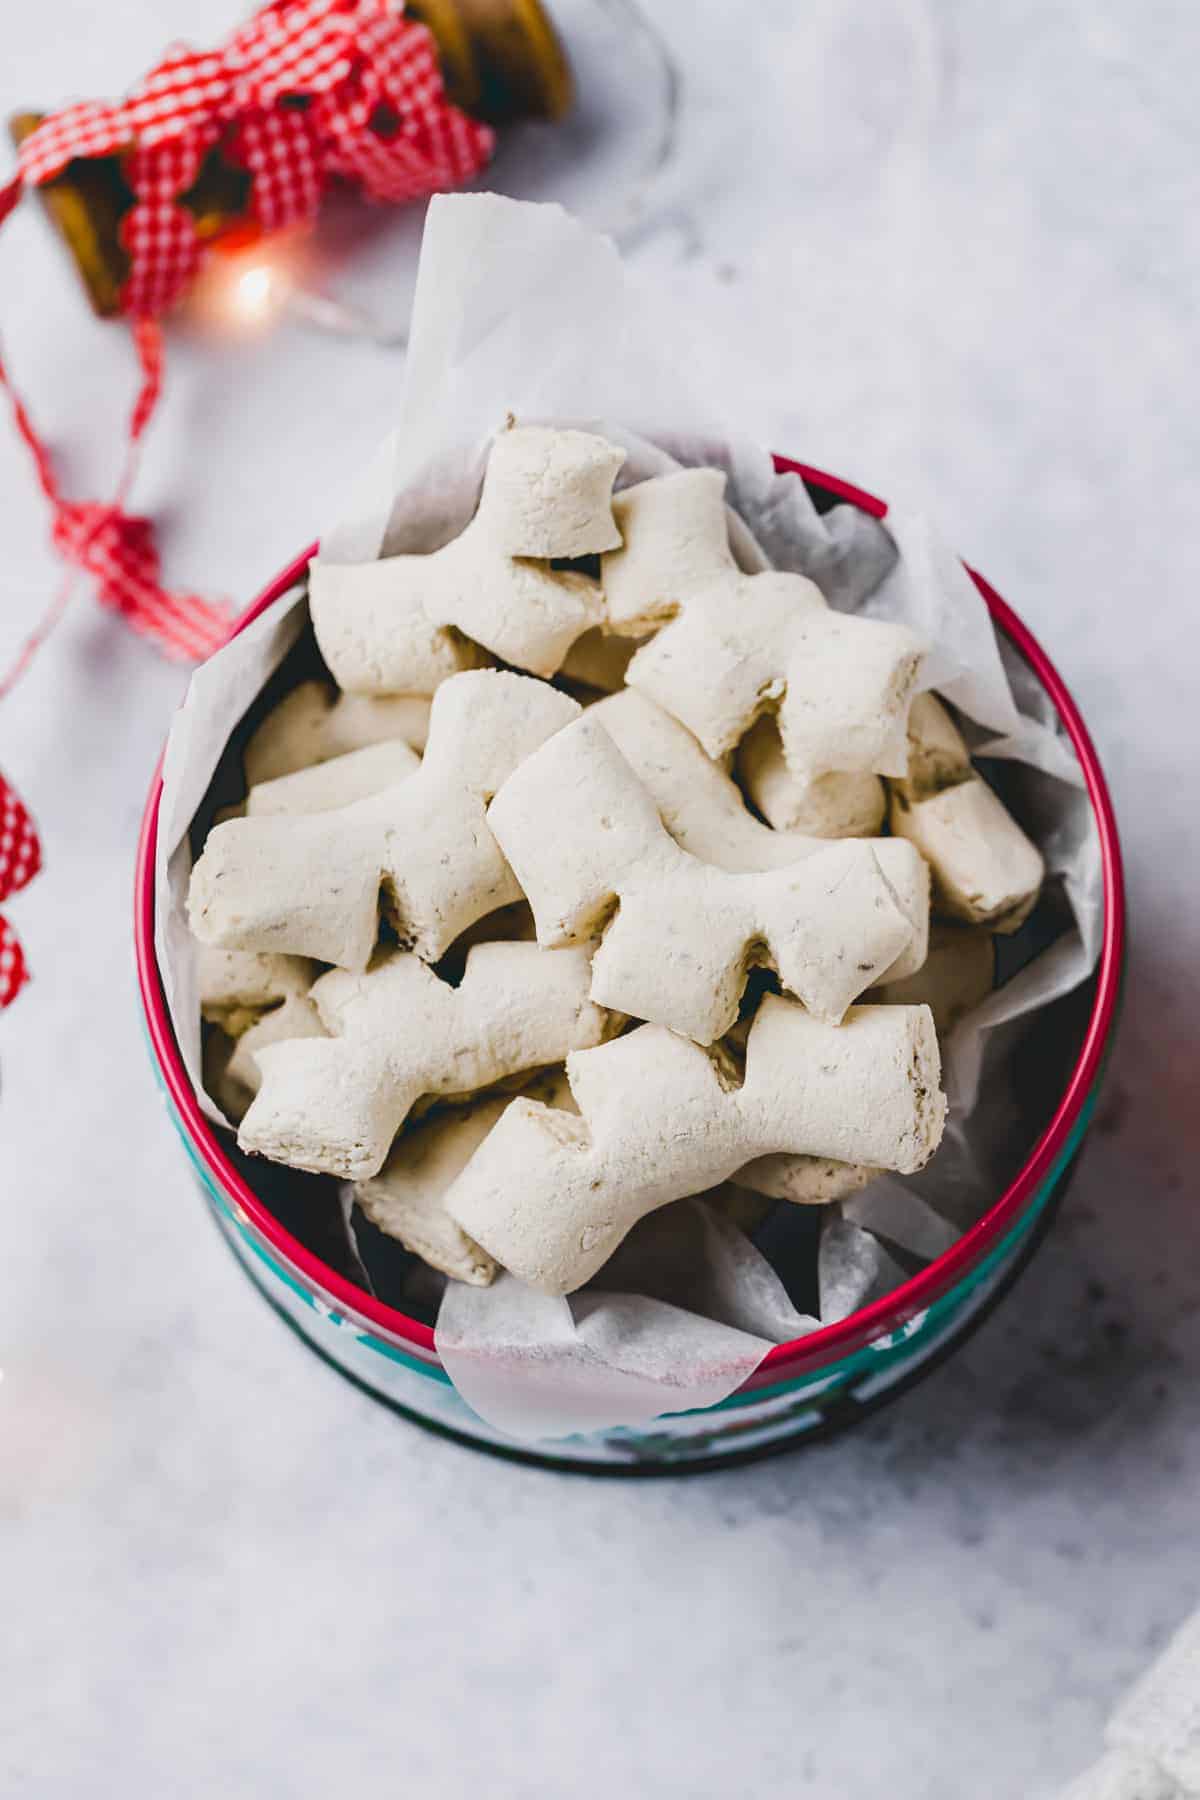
(10,193)
(116,548)
(20,861)
(148,342)
(14,971)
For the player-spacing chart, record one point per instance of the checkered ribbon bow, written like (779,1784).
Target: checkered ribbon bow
(307,91)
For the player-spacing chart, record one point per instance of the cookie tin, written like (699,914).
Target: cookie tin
(802,1389)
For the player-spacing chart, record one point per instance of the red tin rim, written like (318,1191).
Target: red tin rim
(821,1346)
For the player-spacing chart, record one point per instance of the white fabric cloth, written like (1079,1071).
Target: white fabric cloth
(1152,1743)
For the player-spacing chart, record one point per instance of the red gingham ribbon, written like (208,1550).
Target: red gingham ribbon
(116,547)
(305,91)
(20,860)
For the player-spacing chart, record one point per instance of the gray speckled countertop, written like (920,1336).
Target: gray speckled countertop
(951,252)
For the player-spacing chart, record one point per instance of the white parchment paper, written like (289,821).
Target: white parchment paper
(520,309)
(218,694)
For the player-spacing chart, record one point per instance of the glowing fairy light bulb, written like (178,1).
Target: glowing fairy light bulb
(257,293)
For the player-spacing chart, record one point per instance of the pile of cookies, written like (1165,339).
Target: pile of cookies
(480,940)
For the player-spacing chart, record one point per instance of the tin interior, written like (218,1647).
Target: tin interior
(298,1216)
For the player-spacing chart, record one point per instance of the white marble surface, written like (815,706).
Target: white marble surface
(950,251)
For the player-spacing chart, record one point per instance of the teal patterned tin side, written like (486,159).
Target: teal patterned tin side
(749,1422)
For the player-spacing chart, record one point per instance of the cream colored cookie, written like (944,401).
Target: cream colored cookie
(247,981)
(675,538)
(216,1050)
(835,805)
(804,1180)
(251,1000)
(314,723)
(677,949)
(697,801)
(986,870)
(313,885)
(397,1033)
(550,1196)
(339,782)
(704,811)
(937,752)
(406,623)
(297,1017)
(391,626)
(406,1200)
(736,646)
(548,493)
(744,645)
